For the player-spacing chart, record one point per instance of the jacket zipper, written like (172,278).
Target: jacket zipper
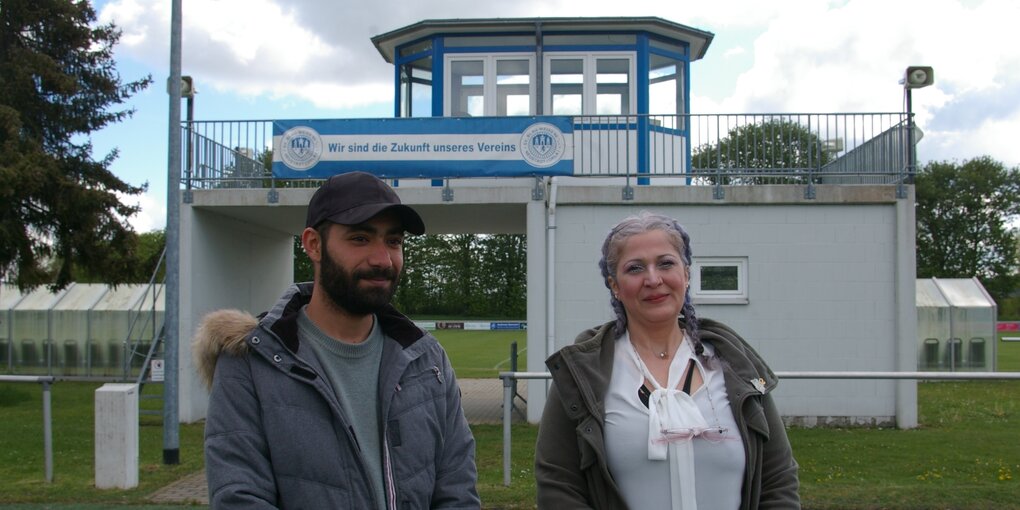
(391,491)
(349,428)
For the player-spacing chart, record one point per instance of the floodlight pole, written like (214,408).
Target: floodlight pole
(911,153)
(171,325)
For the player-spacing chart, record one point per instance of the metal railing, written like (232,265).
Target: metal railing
(46,381)
(510,384)
(705,149)
(139,347)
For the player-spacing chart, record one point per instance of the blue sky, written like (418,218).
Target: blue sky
(276,59)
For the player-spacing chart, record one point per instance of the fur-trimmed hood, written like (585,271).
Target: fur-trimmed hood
(226,331)
(220,331)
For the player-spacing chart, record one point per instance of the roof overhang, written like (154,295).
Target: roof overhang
(698,40)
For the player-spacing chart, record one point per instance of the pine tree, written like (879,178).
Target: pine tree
(58,204)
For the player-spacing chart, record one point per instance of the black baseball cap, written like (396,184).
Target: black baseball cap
(356,197)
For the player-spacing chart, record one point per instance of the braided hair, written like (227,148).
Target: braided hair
(612,248)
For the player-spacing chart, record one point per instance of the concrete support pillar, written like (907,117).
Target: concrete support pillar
(225,263)
(117,436)
(537,320)
(906,310)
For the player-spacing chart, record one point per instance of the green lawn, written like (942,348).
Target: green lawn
(21,448)
(965,454)
(1008,355)
(482,354)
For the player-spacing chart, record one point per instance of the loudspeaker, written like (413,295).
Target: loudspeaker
(187,86)
(918,76)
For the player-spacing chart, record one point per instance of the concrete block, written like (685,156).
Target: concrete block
(117,436)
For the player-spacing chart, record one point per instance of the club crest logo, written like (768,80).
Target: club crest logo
(542,145)
(300,148)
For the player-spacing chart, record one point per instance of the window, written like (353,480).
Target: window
(589,84)
(566,86)
(459,41)
(590,40)
(416,88)
(612,86)
(416,48)
(513,87)
(467,88)
(490,85)
(665,89)
(718,280)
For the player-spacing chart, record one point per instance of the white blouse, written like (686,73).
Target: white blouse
(636,459)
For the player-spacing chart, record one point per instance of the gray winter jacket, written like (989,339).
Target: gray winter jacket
(571,469)
(276,435)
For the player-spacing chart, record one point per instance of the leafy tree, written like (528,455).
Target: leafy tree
(148,259)
(58,205)
(461,275)
(502,274)
(963,212)
(1009,305)
(763,153)
(151,256)
(303,270)
(420,290)
(464,275)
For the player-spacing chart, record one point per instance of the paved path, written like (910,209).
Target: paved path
(482,400)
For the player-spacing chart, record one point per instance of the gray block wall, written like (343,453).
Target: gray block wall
(821,292)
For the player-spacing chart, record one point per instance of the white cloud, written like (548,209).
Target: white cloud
(735,51)
(144,25)
(153,211)
(319,50)
(711,16)
(848,58)
(828,61)
(993,137)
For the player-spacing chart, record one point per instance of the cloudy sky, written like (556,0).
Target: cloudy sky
(289,59)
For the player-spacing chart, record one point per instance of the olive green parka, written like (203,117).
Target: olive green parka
(570,457)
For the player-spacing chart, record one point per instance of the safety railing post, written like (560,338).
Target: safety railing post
(45,381)
(47,431)
(508,395)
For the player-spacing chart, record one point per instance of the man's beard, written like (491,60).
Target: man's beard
(342,287)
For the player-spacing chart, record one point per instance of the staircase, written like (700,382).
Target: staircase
(142,349)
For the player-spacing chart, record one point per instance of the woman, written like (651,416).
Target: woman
(659,409)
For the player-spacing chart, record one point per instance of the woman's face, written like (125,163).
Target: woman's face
(651,279)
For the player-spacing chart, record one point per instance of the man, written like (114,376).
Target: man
(333,399)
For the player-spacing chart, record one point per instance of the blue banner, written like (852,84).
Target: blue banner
(508,325)
(428,147)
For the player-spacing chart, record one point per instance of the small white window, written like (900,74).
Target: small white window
(719,280)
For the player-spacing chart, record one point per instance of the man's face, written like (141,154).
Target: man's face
(360,266)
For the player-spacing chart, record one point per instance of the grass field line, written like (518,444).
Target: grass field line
(507,361)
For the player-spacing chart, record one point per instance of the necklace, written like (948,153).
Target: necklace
(662,354)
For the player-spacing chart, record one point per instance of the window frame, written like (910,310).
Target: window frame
(739,296)
(489,86)
(589,88)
